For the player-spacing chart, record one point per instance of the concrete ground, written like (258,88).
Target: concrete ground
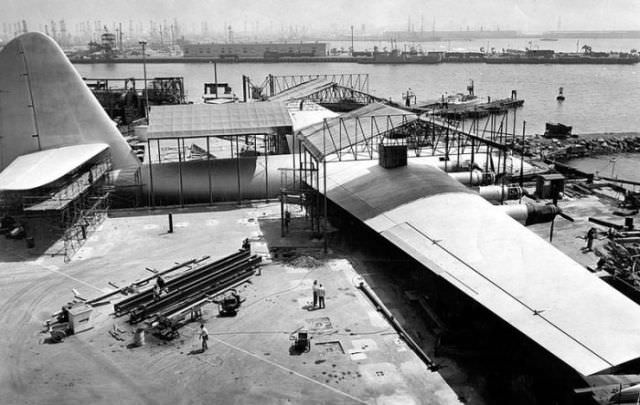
(355,356)
(569,237)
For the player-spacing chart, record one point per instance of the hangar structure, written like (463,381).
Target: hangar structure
(466,241)
(57,145)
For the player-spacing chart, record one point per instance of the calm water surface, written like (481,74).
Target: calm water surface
(622,166)
(599,98)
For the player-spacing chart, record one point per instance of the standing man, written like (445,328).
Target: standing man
(156,292)
(161,284)
(204,335)
(321,293)
(591,235)
(315,293)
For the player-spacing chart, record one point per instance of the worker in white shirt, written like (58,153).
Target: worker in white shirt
(204,336)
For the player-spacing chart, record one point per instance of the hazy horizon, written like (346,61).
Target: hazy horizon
(338,15)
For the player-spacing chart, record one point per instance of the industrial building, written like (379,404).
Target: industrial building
(395,176)
(237,51)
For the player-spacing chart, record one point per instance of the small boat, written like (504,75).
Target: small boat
(557,130)
(560,96)
(218,93)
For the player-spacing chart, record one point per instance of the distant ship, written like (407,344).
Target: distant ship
(547,56)
(397,57)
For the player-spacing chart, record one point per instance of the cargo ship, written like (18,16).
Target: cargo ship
(463,57)
(397,57)
(549,56)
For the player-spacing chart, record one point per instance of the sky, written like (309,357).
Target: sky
(339,15)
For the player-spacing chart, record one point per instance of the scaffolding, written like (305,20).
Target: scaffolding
(73,206)
(123,101)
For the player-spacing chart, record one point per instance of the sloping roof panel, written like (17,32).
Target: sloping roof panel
(304,89)
(216,119)
(38,169)
(494,260)
(336,134)
(307,113)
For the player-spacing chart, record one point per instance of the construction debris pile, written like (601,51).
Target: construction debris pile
(307,262)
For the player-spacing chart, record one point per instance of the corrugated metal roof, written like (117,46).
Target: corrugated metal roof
(335,134)
(217,119)
(38,169)
(303,90)
(493,259)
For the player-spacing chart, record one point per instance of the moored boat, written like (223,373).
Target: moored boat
(397,57)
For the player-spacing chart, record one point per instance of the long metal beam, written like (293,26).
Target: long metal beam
(193,287)
(146,296)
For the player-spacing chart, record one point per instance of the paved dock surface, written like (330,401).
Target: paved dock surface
(355,356)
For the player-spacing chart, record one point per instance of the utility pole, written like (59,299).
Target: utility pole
(524,125)
(352,48)
(144,67)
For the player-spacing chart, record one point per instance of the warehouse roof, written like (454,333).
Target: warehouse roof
(217,119)
(338,133)
(305,113)
(38,169)
(494,260)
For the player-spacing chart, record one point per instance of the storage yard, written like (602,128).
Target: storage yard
(193,259)
(355,356)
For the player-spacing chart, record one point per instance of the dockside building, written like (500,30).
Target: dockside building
(254,50)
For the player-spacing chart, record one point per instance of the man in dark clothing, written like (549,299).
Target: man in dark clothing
(591,235)
(321,293)
(315,293)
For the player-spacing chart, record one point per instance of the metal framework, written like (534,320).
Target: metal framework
(274,85)
(120,97)
(355,138)
(335,93)
(213,147)
(356,81)
(75,208)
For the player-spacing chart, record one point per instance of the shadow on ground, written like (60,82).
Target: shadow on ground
(47,240)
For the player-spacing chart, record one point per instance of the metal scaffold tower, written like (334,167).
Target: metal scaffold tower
(74,207)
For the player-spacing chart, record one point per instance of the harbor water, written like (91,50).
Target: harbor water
(599,98)
(624,166)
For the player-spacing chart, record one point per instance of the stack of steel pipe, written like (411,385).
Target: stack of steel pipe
(201,296)
(198,281)
(127,305)
(210,284)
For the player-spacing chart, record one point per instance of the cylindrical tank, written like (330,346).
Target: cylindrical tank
(251,177)
(456,165)
(473,178)
(529,214)
(500,192)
